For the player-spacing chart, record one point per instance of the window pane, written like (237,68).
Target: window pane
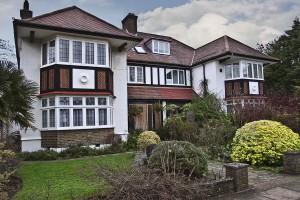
(175,77)
(64,101)
(255,72)
(44,102)
(77,101)
(245,71)
(181,77)
(52,118)
(44,118)
(228,72)
(90,117)
(161,46)
(52,101)
(169,77)
(89,53)
(249,70)
(132,74)
(110,101)
(260,69)
(101,101)
(52,51)
(101,57)
(139,74)
(64,118)
(63,50)
(90,101)
(102,116)
(155,45)
(236,70)
(77,117)
(44,54)
(77,52)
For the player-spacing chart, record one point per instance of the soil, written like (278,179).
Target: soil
(14,185)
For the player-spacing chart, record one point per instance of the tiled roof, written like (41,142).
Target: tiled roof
(163,93)
(181,54)
(227,46)
(73,18)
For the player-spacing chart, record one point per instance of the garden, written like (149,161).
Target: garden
(168,163)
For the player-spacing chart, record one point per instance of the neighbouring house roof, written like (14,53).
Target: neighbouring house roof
(227,46)
(76,20)
(162,93)
(180,54)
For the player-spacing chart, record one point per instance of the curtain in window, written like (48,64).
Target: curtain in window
(90,117)
(77,117)
(101,54)
(77,52)
(103,116)
(64,118)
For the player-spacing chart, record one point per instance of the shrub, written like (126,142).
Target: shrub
(39,155)
(263,142)
(179,157)
(146,138)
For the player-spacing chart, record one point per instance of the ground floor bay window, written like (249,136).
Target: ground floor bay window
(76,112)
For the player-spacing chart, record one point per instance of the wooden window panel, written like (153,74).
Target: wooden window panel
(44,79)
(101,80)
(64,78)
(51,79)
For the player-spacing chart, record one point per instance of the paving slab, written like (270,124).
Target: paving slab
(295,186)
(279,193)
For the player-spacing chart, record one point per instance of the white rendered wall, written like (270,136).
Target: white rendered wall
(188,78)
(30,63)
(119,68)
(215,78)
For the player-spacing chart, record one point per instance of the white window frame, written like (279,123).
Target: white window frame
(57,107)
(108,54)
(243,67)
(172,78)
(161,45)
(136,74)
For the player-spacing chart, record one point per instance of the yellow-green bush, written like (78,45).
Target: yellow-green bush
(263,142)
(146,138)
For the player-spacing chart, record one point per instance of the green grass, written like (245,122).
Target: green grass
(66,179)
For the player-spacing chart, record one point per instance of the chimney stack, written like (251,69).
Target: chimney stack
(130,23)
(25,13)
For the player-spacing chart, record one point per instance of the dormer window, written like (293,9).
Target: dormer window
(159,47)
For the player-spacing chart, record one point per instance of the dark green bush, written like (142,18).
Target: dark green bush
(179,157)
(39,155)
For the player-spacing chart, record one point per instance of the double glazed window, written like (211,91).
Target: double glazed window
(76,52)
(175,77)
(76,112)
(160,47)
(135,74)
(244,70)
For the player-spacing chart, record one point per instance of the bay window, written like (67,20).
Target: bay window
(244,69)
(76,112)
(69,51)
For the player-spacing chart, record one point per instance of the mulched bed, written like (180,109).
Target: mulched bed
(14,185)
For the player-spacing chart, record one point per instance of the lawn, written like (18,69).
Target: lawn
(65,179)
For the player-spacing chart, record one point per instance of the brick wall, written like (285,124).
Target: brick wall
(65,138)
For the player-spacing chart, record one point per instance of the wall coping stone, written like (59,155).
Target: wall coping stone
(236,165)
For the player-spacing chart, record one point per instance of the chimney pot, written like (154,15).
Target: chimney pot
(130,23)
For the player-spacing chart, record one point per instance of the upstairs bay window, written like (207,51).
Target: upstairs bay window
(135,74)
(83,52)
(77,113)
(175,77)
(249,70)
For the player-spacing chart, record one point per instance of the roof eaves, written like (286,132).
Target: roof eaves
(47,27)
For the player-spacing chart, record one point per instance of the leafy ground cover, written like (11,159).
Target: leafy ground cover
(66,179)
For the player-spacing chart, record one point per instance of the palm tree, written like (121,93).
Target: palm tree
(17,94)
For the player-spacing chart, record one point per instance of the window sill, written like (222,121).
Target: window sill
(76,128)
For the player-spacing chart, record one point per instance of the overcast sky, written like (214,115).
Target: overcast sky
(194,22)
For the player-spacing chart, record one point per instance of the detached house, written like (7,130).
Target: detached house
(91,74)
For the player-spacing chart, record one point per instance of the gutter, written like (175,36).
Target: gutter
(16,42)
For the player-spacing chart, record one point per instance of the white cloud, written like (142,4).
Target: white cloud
(201,21)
